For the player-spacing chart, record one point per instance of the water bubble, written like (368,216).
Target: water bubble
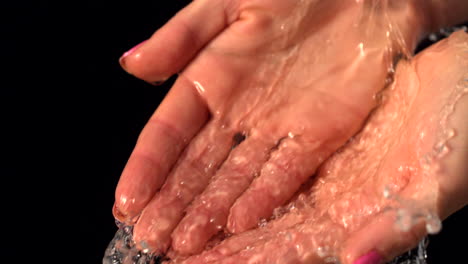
(433,224)
(262,223)
(323,251)
(279,212)
(331,259)
(450,133)
(433,37)
(388,191)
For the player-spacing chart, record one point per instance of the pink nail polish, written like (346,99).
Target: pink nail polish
(133,49)
(122,58)
(370,258)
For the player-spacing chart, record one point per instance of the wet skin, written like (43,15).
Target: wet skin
(295,80)
(344,209)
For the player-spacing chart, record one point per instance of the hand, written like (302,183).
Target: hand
(380,194)
(267,91)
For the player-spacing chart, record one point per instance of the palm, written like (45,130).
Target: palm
(295,81)
(397,165)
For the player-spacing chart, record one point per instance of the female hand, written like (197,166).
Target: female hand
(267,91)
(384,190)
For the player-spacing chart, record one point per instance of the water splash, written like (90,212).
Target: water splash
(122,249)
(445,32)
(417,255)
(411,212)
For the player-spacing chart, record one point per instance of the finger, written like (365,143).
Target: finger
(189,178)
(239,242)
(381,241)
(179,117)
(208,213)
(446,93)
(173,46)
(280,178)
(286,247)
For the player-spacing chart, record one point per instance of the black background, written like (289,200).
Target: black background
(70,117)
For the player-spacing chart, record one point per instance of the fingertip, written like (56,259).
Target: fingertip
(231,224)
(124,216)
(143,62)
(118,215)
(123,58)
(171,48)
(238,220)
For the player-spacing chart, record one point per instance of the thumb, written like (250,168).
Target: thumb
(382,240)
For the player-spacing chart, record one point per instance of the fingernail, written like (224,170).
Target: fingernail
(126,218)
(118,214)
(372,257)
(122,58)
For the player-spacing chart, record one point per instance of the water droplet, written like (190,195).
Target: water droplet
(361,49)
(330,259)
(422,135)
(404,221)
(199,87)
(450,133)
(389,191)
(322,251)
(262,223)
(433,37)
(433,224)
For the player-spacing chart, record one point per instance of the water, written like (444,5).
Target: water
(411,212)
(417,255)
(445,32)
(122,250)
